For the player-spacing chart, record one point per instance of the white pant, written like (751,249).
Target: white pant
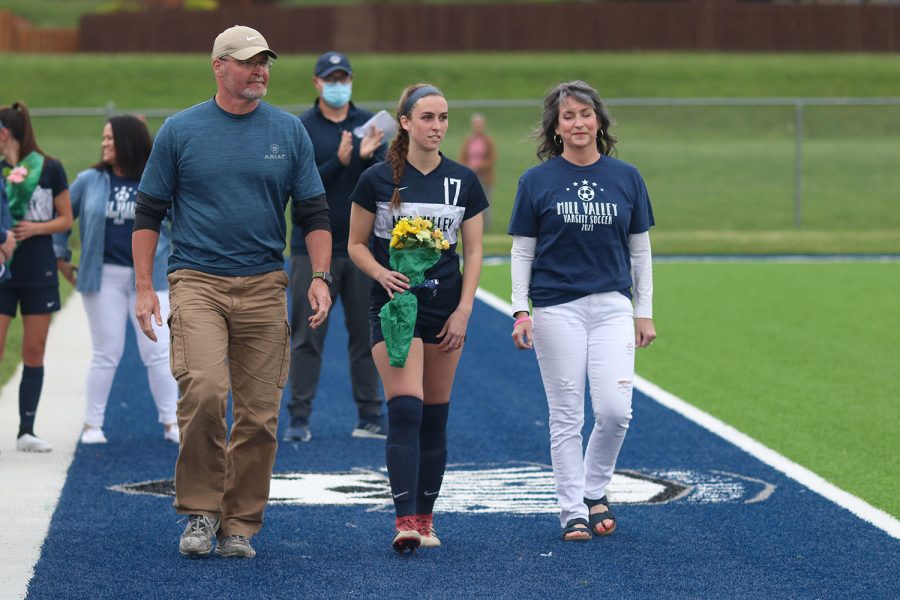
(108,312)
(591,337)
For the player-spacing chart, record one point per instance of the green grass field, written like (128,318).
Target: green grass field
(802,357)
(789,354)
(721,178)
(54,13)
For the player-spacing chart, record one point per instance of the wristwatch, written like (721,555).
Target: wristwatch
(323,275)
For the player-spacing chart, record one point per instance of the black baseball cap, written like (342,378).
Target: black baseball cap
(330,62)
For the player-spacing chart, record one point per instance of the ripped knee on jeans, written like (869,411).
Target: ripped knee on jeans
(567,385)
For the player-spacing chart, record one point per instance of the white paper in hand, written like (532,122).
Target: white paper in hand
(383,121)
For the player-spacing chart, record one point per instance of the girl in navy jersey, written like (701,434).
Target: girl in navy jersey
(39,205)
(581,253)
(104,198)
(416,180)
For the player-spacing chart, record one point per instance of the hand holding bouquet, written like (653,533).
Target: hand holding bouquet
(416,246)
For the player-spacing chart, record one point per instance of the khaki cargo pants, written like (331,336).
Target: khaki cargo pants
(228,330)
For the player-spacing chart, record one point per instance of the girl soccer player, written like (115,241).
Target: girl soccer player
(416,180)
(39,204)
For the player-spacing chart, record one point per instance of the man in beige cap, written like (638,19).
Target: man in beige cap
(227,167)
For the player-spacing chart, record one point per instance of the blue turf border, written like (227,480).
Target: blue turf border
(796,544)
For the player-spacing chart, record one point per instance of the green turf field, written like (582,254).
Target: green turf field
(801,357)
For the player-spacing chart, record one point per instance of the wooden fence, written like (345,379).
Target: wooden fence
(724,25)
(18,35)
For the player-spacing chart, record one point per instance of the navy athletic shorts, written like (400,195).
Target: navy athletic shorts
(33,301)
(425,330)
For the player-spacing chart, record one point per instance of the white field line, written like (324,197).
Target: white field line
(799,473)
(30,484)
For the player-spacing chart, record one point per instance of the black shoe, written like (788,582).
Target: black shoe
(298,431)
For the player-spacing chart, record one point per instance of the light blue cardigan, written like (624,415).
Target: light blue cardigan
(90,194)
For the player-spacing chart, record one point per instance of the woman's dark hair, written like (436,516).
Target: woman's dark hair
(545,131)
(132,143)
(396,153)
(18,121)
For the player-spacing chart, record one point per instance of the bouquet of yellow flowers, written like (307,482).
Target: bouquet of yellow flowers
(416,245)
(417,233)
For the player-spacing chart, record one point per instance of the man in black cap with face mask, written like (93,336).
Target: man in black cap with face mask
(341,158)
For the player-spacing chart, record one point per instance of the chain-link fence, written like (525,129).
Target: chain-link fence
(711,164)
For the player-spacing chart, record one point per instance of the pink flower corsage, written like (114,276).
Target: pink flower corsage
(17,175)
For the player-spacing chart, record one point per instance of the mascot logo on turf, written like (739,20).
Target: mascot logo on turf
(520,489)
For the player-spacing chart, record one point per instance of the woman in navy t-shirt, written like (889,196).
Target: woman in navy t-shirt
(581,253)
(38,195)
(103,200)
(416,180)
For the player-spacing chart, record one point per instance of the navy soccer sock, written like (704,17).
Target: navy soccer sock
(404,420)
(433,460)
(29,395)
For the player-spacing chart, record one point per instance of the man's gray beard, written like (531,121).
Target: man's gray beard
(254,95)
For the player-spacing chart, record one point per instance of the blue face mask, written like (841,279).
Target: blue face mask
(336,95)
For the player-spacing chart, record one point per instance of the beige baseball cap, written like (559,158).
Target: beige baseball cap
(241,43)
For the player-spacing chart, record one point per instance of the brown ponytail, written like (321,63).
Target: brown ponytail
(17,119)
(398,149)
(396,155)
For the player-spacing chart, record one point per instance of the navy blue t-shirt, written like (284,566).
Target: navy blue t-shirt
(34,262)
(119,221)
(339,180)
(446,196)
(581,217)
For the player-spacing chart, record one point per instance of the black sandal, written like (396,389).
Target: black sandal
(571,528)
(598,518)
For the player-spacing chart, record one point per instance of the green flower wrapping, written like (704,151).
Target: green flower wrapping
(21,182)
(415,248)
(20,192)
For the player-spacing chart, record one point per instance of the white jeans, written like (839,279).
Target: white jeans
(591,337)
(108,312)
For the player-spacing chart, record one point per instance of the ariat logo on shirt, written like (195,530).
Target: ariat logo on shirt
(275,155)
